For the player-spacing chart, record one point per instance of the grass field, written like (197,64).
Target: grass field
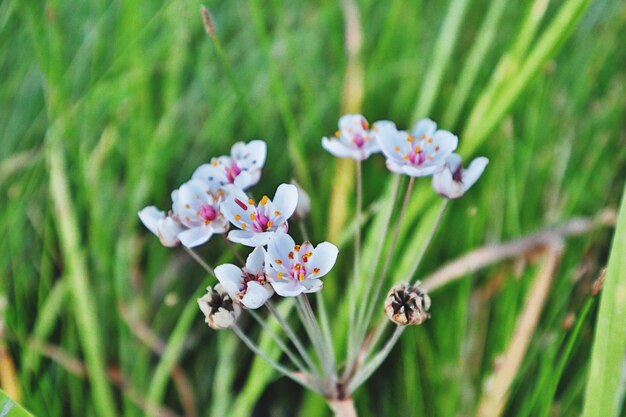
(107,106)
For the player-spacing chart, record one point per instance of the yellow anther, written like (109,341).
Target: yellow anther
(430,158)
(214,162)
(280,275)
(430,140)
(251,201)
(290,255)
(301,276)
(297,267)
(243,226)
(278,261)
(423,136)
(252,216)
(237,217)
(409,138)
(297,248)
(316,270)
(337,133)
(405,157)
(418,149)
(396,148)
(269,224)
(277,213)
(264,200)
(187,206)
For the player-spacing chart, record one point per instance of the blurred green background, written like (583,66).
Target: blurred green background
(107,106)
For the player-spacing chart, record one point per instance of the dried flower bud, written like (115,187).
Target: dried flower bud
(406,304)
(219,309)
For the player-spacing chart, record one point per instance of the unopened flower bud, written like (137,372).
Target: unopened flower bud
(218,308)
(304,203)
(406,304)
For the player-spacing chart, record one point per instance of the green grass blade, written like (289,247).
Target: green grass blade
(9,408)
(443,50)
(78,278)
(607,356)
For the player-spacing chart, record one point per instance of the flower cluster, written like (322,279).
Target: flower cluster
(212,201)
(424,151)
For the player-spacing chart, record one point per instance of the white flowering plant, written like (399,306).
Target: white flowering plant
(219,200)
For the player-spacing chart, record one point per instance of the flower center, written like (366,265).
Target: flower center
(208,213)
(261,222)
(359,140)
(232,171)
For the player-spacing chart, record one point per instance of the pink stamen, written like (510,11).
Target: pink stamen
(359,140)
(232,171)
(208,213)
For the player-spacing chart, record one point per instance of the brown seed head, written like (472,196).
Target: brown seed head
(406,304)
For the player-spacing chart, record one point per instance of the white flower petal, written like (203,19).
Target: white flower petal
(236,208)
(256,295)
(168,230)
(279,247)
(286,200)
(424,127)
(150,217)
(231,278)
(248,238)
(339,149)
(255,264)
(394,143)
(322,260)
(250,156)
(287,288)
(195,236)
(445,186)
(474,171)
(312,285)
(446,141)
(394,166)
(420,171)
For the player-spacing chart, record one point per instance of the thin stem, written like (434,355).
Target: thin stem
(372,302)
(357,255)
(365,372)
(326,341)
(431,234)
(201,261)
(370,277)
(292,336)
(312,329)
(280,368)
(266,328)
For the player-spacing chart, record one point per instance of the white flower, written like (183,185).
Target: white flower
(165,227)
(248,285)
(259,223)
(219,309)
(454,181)
(242,168)
(295,269)
(352,140)
(198,208)
(421,153)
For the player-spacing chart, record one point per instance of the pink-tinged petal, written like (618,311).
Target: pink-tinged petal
(338,149)
(424,129)
(255,264)
(312,285)
(231,278)
(445,186)
(256,295)
(248,238)
(195,236)
(322,260)
(150,217)
(285,200)
(287,288)
(474,171)
(236,208)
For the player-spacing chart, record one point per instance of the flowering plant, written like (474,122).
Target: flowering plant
(216,201)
